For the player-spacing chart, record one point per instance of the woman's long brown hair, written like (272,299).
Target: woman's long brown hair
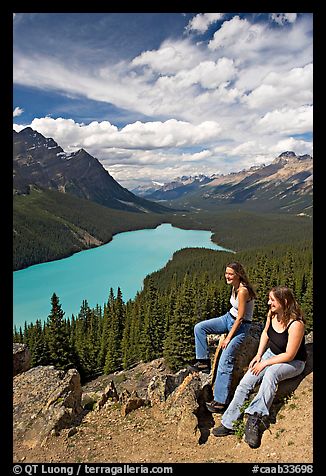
(291,309)
(240,271)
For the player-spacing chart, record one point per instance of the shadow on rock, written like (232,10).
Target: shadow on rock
(204,417)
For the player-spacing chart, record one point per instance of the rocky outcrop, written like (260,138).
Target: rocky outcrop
(161,386)
(183,404)
(21,358)
(45,400)
(96,400)
(131,401)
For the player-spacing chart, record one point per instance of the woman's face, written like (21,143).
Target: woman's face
(231,276)
(274,304)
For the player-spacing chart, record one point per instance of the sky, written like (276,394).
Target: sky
(155,96)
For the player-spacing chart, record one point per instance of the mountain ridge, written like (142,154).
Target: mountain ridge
(286,184)
(41,162)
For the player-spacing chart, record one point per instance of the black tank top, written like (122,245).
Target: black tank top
(278,342)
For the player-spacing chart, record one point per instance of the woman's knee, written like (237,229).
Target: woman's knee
(271,377)
(203,326)
(248,382)
(199,328)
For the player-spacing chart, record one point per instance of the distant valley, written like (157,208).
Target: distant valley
(285,185)
(64,203)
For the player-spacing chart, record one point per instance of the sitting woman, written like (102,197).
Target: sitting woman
(236,324)
(281,355)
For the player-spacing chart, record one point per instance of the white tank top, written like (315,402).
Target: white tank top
(249,310)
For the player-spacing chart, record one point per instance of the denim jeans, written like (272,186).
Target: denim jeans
(268,378)
(220,325)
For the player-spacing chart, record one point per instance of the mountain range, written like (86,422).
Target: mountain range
(40,162)
(286,184)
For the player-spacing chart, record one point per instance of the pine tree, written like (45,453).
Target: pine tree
(113,359)
(38,346)
(58,341)
(86,344)
(307,304)
(289,278)
(104,337)
(179,344)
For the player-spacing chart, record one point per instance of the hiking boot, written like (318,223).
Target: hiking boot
(255,427)
(215,407)
(201,366)
(222,431)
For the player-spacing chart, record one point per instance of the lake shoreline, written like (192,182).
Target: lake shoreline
(123,262)
(129,229)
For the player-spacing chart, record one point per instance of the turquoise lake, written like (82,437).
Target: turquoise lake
(124,263)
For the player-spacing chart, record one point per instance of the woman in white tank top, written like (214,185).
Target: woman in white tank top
(235,324)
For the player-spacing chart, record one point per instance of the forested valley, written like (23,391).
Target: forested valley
(159,321)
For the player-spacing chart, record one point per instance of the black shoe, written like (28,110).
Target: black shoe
(215,407)
(222,431)
(255,427)
(201,366)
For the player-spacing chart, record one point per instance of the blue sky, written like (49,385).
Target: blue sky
(158,95)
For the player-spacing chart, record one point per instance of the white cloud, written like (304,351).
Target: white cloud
(298,146)
(202,21)
(282,18)
(233,31)
(219,104)
(17,111)
(287,121)
(98,136)
(170,58)
(291,88)
(190,82)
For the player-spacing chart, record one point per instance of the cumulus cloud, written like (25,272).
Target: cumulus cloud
(97,136)
(282,18)
(298,146)
(287,120)
(17,111)
(170,58)
(292,88)
(202,21)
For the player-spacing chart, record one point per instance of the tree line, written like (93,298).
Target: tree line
(159,321)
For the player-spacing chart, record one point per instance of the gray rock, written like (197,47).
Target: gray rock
(45,400)
(21,358)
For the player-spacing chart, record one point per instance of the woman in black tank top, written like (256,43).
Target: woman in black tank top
(281,355)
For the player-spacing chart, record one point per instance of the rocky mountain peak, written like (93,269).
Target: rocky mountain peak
(287,154)
(290,157)
(41,162)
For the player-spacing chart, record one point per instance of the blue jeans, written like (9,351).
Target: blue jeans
(220,325)
(269,377)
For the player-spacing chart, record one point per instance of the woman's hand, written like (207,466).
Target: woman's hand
(258,367)
(225,342)
(254,361)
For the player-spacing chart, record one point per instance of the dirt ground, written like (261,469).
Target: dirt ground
(145,436)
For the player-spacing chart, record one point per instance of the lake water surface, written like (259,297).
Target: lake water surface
(124,263)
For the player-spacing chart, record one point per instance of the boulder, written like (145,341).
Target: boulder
(132,403)
(246,352)
(21,358)
(161,386)
(96,400)
(45,400)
